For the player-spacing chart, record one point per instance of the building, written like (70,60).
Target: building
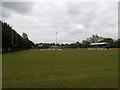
(55,48)
(95,39)
(102,45)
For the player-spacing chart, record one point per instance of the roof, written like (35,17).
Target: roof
(102,43)
(54,46)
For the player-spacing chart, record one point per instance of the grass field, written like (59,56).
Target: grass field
(61,69)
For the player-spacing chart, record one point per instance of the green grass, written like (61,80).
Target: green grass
(61,69)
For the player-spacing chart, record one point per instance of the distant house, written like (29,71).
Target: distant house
(55,47)
(40,46)
(102,45)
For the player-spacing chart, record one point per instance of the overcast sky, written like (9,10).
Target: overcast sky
(74,21)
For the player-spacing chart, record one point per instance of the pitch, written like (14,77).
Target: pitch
(72,68)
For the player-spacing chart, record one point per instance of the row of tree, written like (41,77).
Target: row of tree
(112,43)
(12,41)
(84,44)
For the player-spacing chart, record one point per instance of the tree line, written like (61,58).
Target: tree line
(12,41)
(84,44)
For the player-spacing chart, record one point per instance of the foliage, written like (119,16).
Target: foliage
(112,43)
(11,40)
(86,44)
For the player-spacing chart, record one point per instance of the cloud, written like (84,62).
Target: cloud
(0,10)
(74,21)
(17,7)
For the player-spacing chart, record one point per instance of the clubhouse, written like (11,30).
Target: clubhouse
(102,45)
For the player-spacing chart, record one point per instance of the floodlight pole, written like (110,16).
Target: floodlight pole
(12,36)
(16,38)
(56,38)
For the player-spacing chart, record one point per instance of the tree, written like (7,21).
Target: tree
(12,40)
(117,43)
(110,41)
(85,44)
(78,45)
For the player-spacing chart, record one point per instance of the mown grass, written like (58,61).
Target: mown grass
(61,69)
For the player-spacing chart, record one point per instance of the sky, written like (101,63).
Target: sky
(74,21)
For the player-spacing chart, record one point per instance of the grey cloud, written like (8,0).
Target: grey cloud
(119,19)
(74,21)
(18,7)
(6,13)
(0,10)
(74,9)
